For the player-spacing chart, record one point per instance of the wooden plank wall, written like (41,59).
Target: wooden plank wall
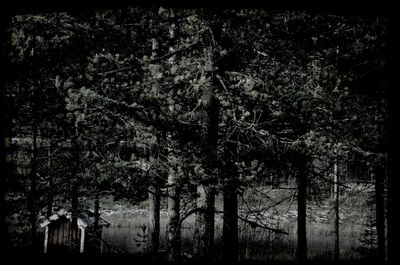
(60,234)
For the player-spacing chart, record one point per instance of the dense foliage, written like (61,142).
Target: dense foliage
(101,91)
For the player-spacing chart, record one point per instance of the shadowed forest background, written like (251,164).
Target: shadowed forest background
(198,134)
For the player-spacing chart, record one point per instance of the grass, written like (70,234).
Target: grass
(128,232)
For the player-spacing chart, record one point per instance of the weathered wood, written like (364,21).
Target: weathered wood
(63,236)
(82,241)
(46,239)
(66,232)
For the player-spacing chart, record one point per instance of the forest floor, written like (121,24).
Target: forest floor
(272,207)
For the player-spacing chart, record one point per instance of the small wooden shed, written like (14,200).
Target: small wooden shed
(61,236)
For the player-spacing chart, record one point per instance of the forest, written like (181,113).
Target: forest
(196,134)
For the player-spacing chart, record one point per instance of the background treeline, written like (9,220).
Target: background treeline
(186,108)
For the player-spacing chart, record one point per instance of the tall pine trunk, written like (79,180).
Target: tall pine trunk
(301,252)
(96,212)
(173,208)
(393,146)
(230,220)
(173,217)
(205,222)
(174,233)
(4,235)
(154,191)
(206,188)
(5,140)
(96,224)
(336,197)
(33,186)
(50,193)
(154,216)
(74,185)
(393,173)
(74,218)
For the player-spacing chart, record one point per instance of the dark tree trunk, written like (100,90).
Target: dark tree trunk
(154,191)
(5,128)
(74,192)
(154,215)
(96,227)
(173,215)
(380,211)
(96,212)
(74,185)
(4,235)
(206,189)
(205,222)
(393,147)
(174,233)
(230,220)
(50,193)
(33,186)
(392,229)
(301,212)
(173,202)
(74,218)
(336,194)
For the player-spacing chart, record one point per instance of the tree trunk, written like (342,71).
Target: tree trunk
(301,214)
(380,212)
(50,194)
(154,191)
(392,228)
(74,219)
(336,194)
(4,235)
(230,223)
(96,212)
(154,215)
(173,201)
(74,194)
(173,216)
(96,226)
(173,205)
(206,189)
(205,222)
(74,184)
(33,185)
(393,147)
(5,128)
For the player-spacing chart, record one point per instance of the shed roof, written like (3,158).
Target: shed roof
(85,218)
